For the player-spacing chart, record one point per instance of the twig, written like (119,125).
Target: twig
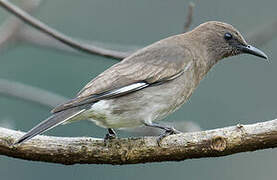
(9,33)
(36,38)
(13,31)
(85,150)
(31,94)
(59,36)
(213,143)
(188,22)
(10,27)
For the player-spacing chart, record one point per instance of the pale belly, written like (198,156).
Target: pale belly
(147,105)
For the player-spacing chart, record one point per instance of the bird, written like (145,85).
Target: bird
(151,83)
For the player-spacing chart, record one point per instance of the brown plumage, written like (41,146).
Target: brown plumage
(153,82)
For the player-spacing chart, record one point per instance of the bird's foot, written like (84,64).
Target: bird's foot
(110,135)
(168,131)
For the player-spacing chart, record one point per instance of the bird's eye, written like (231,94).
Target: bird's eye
(228,36)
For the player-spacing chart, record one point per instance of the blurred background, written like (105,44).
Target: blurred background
(240,89)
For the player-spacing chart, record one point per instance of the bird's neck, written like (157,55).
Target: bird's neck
(204,58)
(197,53)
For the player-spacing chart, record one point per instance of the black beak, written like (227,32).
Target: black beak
(252,50)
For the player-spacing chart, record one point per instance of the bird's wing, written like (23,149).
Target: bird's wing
(155,63)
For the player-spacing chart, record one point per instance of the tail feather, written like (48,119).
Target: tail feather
(49,123)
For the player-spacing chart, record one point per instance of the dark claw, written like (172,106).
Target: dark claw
(110,135)
(167,132)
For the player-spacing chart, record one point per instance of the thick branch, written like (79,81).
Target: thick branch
(85,150)
(59,36)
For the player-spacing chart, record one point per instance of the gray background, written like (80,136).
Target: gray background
(238,90)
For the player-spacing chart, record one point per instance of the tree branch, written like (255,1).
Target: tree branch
(189,16)
(213,143)
(13,30)
(10,27)
(85,150)
(59,36)
(31,94)
(36,38)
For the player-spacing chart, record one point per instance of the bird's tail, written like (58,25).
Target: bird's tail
(49,123)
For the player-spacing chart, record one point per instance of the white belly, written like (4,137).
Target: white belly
(147,105)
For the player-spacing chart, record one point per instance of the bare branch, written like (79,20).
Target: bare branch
(59,36)
(85,150)
(36,38)
(12,30)
(7,32)
(10,27)
(189,16)
(29,93)
(213,143)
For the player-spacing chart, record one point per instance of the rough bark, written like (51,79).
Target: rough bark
(85,150)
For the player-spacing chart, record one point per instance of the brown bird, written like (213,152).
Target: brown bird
(151,83)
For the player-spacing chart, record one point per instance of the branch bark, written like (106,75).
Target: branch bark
(212,143)
(24,16)
(85,150)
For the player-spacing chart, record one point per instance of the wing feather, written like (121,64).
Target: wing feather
(158,61)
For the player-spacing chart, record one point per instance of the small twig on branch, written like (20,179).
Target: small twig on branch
(59,36)
(29,93)
(188,22)
(85,150)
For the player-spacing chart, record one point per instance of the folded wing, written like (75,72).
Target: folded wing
(149,65)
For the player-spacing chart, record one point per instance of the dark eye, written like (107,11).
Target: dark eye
(228,36)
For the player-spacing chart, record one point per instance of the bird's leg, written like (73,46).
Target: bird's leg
(168,130)
(110,135)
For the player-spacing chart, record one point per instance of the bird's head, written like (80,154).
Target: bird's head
(223,40)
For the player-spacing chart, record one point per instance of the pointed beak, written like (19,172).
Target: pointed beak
(252,50)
